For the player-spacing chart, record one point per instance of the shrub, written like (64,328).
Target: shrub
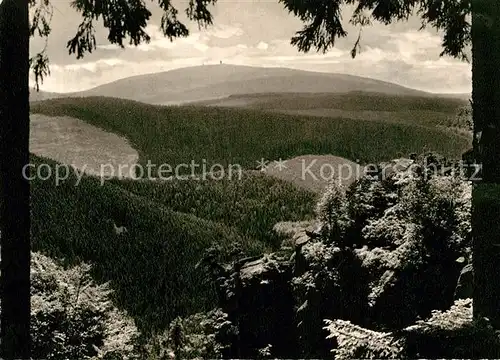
(445,334)
(453,333)
(463,117)
(199,336)
(331,211)
(73,318)
(355,342)
(407,223)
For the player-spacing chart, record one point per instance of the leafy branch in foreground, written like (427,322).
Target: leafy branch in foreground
(123,19)
(324,21)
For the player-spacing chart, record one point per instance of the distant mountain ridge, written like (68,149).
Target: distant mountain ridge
(209,82)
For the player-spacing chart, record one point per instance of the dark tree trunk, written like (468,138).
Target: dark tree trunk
(14,187)
(486,191)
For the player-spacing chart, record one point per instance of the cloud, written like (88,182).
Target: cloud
(259,35)
(84,76)
(225,31)
(197,40)
(262,45)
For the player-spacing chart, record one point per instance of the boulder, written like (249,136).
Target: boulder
(388,169)
(262,307)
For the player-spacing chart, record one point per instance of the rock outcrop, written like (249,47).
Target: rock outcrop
(465,283)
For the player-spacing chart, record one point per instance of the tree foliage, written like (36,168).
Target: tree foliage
(74,318)
(387,253)
(124,20)
(444,334)
(356,342)
(198,336)
(324,24)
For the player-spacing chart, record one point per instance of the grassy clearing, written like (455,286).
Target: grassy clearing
(177,135)
(152,266)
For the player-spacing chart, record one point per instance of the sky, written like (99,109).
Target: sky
(255,33)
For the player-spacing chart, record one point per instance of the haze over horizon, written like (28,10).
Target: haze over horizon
(254,33)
